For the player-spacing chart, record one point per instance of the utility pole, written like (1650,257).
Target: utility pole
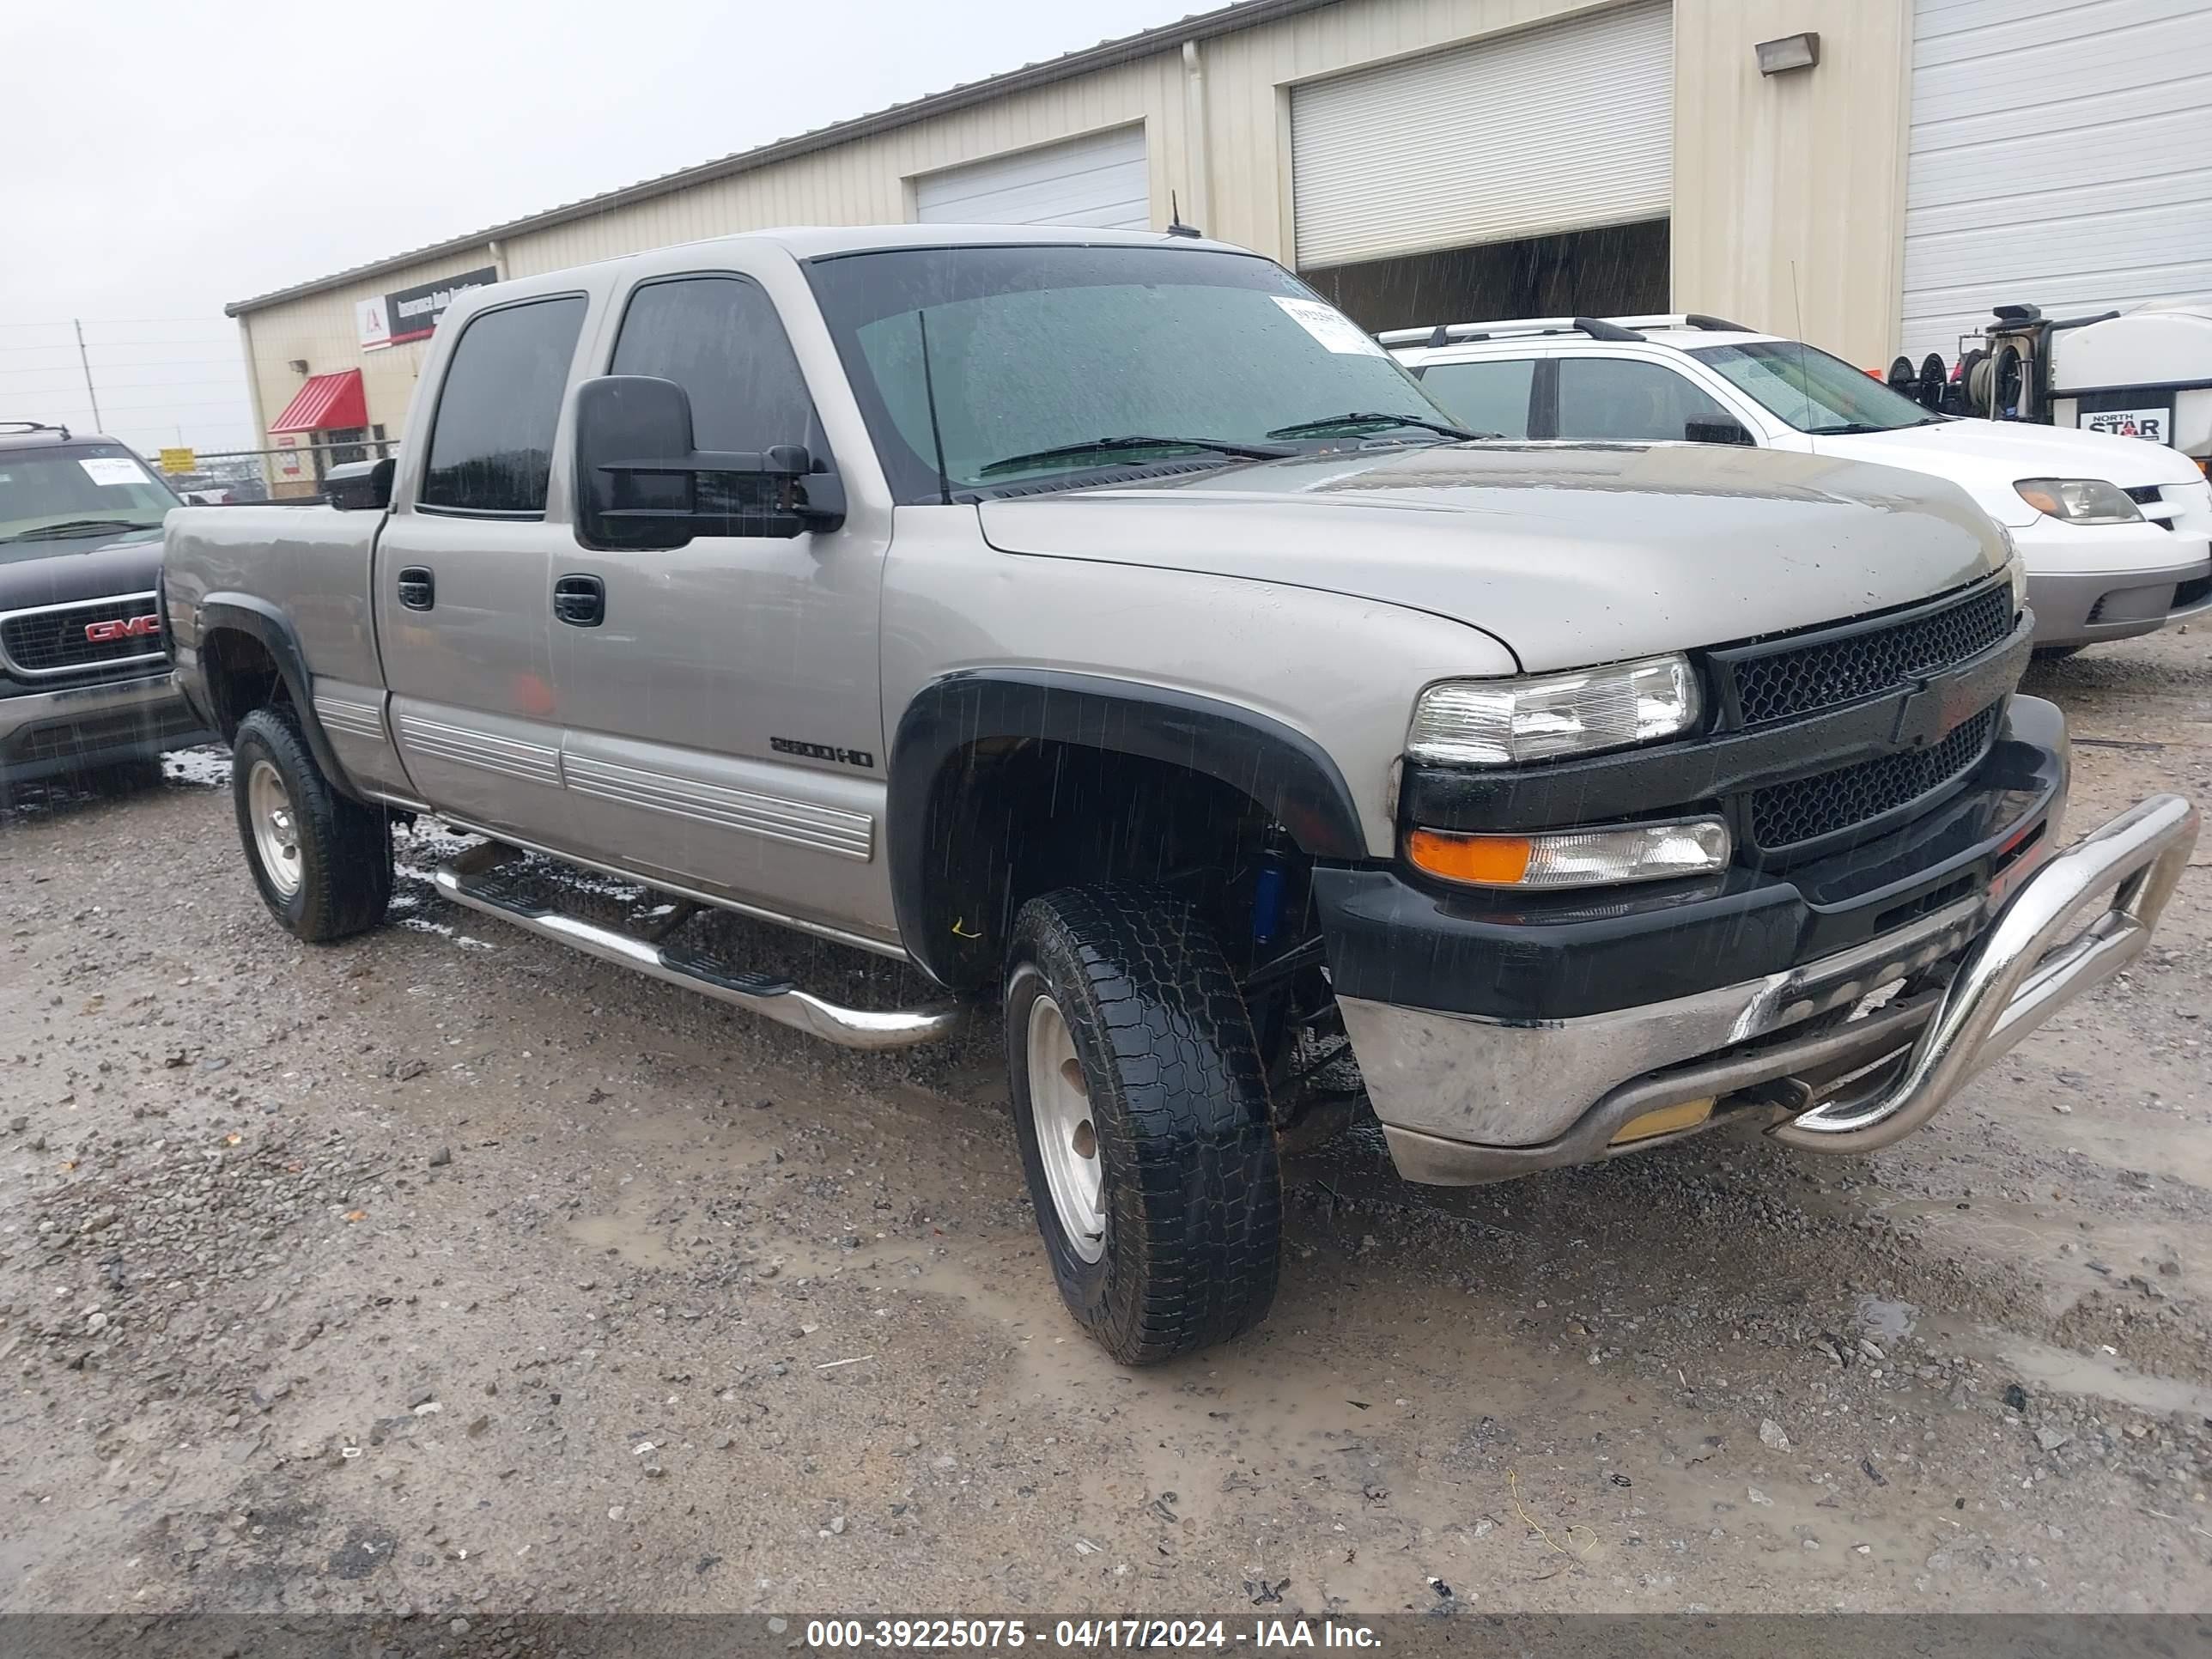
(82,357)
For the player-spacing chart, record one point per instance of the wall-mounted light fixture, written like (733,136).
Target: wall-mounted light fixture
(297,365)
(1791,52)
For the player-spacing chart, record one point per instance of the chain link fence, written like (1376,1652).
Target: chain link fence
(288,472)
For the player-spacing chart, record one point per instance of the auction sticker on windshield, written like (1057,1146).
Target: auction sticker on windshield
(2149,423)
(1332,328)
(108,469)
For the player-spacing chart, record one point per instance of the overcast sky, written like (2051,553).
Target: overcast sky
(163,159)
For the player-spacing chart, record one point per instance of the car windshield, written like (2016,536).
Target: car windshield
(50,495)
(1044,362)
(1814,391)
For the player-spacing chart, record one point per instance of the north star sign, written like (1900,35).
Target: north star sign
(412,312)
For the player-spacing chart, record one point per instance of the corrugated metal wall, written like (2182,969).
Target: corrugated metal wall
(1804,170)
(1789,188)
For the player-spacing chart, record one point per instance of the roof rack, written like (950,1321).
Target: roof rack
(32,425)
(1596,328)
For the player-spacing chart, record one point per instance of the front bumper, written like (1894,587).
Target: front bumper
(2083,593)
(56,730)
(1464,1099)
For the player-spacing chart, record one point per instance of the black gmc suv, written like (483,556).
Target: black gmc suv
(84,685)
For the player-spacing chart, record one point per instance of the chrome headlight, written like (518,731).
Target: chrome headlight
(1545,716)
(2079,500)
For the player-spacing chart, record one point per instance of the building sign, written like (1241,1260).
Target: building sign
(371,323)
(412,313)
(287,460)
(179,461)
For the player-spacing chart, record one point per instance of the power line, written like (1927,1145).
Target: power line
(118,345)
(128,385)
(66,322)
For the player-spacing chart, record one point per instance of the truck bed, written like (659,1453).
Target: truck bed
(313,562)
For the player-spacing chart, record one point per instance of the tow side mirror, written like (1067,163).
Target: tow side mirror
(353,486)
(640,484)
(1716,429)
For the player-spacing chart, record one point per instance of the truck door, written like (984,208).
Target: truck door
(461,574)
(722,725)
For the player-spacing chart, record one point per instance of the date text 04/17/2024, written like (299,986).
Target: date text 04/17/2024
(1083,1634)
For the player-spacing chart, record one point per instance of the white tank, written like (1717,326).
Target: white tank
(2147,374)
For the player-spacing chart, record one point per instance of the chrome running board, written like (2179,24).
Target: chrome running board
(462,880)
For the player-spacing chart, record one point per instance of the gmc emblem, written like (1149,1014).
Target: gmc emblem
(104,633)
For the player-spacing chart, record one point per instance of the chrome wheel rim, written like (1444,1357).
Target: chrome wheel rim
(1068,1140)
(275,826)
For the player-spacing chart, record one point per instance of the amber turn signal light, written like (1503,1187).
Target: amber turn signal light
(1492,860)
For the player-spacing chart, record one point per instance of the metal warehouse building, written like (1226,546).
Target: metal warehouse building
(1421,160)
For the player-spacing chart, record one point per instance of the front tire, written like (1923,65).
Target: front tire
(322,863)
(1141,1107)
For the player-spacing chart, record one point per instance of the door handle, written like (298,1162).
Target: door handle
(581,601)
(419,588)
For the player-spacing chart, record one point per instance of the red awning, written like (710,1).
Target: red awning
(326,401)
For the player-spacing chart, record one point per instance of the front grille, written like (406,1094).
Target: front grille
(1787,683)
(42,642)
(1783,815)
(2144,494)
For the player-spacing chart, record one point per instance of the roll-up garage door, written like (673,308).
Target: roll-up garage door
(1098,180)
(1557,128)
(2060,155)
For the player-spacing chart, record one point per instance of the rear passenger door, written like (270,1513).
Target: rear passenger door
(722,724)
(462,624)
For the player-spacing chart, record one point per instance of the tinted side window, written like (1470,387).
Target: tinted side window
(1613,400)
(491,445)
(1490,397)
(719,338)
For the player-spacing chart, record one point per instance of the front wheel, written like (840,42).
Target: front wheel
(1141,1107)
(322,863)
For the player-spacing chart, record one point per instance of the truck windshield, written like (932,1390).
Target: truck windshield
(48,496)
(1815,392)
(1049,361)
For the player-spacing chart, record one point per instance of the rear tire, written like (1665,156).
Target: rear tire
(322,863)
(1141,1107)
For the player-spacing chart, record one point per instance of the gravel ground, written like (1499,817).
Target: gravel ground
(446,1273)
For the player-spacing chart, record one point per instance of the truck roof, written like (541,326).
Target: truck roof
(812,241)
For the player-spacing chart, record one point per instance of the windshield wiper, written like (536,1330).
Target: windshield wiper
(1134,441)
(1366,417)
(1853,428)
(68,528)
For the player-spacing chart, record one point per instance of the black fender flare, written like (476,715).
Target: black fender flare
(248,614)
(1285,771)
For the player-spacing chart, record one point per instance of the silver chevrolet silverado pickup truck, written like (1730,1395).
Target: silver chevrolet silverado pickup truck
(1105,626)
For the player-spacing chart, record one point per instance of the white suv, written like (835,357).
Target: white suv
(2115,533)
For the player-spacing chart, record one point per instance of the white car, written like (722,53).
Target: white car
(2116,533)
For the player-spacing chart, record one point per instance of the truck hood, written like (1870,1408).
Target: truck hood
(1568,555)
(1985,458)
(92,567)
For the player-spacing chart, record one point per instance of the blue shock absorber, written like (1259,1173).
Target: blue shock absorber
(1267,886)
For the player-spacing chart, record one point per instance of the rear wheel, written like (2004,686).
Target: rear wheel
(1141,1108)
(322,863)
